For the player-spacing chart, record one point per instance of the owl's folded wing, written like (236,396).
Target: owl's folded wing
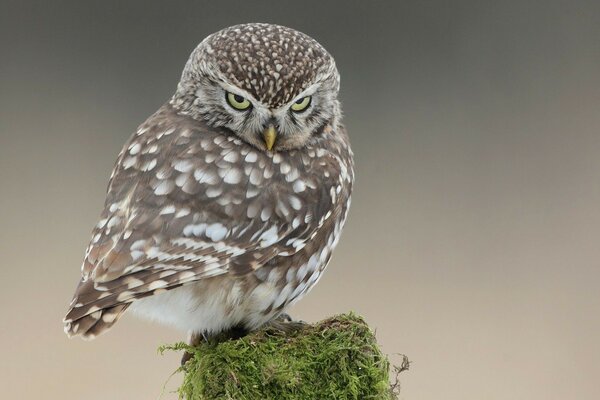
(123,267)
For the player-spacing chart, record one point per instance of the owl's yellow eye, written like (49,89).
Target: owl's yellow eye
(301,104)
(238,102)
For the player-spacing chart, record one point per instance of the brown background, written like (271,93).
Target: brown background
(473,244)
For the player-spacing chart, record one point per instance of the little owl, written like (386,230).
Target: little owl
(224,207)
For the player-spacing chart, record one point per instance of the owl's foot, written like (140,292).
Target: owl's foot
(286,324)
(194,340)
(185,358)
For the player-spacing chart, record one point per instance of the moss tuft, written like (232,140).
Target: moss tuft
(337,358)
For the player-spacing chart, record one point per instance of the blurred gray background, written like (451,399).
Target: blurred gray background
(473,243)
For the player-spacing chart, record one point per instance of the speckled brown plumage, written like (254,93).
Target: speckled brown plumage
(201,228)
(272,62)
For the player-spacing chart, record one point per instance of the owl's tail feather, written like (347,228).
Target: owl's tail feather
(91,325)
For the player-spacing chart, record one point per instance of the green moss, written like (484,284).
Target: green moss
(337,358)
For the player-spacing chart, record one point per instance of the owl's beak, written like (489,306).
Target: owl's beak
(270,135)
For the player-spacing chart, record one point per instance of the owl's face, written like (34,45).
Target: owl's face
(274,87)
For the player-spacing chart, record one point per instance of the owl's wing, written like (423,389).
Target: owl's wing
(127,271)
(198,209)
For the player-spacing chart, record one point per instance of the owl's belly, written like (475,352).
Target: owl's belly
(210,306)
(219,303)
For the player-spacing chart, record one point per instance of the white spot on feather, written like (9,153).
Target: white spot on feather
(233,176)
(183,165)
(138,244)
(231,157)
(285,168)
(213,192)
(109,317)
(269,237)
(164,187)
(182,212)
(216,232)
(114,221)
(299,186)
(149,165)
(134,149)
(157,284)
(170,209)
(295,203)
(205,176)
(129,162)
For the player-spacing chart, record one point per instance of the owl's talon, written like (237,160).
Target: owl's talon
(194,339)
(187,356)
(285,317)
(286,324)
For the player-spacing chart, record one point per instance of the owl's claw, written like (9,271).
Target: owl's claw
(285,317)
(185,358)
(194,340)
(286,324)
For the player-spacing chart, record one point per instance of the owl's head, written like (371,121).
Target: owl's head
(274,87)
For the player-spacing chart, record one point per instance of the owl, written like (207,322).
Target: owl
(224,207)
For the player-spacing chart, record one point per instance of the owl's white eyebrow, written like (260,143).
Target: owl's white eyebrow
(236,90)
(309,91)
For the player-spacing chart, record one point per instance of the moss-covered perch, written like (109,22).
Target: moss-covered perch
(337,358)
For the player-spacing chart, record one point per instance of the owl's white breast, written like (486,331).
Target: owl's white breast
(210,306)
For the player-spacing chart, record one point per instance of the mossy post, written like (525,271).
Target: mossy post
(337,358)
